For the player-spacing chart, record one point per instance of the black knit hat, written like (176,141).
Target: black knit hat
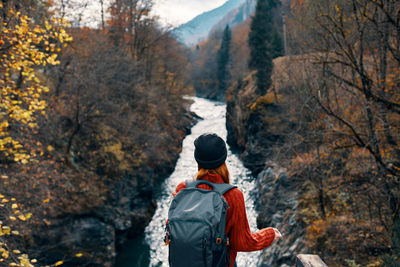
(210,151)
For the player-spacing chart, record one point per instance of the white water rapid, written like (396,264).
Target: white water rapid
(213,114)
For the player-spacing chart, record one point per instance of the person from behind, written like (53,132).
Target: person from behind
(197,217)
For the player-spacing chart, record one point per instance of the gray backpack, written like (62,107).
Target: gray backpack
(195,230)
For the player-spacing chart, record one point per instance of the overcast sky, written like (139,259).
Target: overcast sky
(176,12)
(170,12)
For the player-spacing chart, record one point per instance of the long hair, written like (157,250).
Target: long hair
(221,170)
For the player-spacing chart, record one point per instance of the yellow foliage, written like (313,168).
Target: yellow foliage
(9,255)
(116,149)
(5,230)
(4,253)
(58,263)
(24,46)
(269,98)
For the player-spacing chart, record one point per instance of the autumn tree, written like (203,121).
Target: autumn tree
(26,47)
(360,57)
(101,132)
(334,122)
(203,70)
(223,58)
(129,21)
(353,84)
(240,51)
(265,42)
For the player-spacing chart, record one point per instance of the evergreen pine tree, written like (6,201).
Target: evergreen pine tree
(222,62)
(265,42)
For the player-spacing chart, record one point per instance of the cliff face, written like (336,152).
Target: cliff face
(253,124)
(270,127)
(277,202)
(259,127)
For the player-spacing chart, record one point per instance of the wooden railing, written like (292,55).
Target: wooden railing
(309,260)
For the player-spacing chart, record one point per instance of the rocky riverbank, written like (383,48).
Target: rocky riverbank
(277,203)
(104,192)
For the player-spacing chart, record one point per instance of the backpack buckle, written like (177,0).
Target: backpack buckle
(218,241)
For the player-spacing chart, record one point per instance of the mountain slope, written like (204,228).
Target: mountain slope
(236,16)
(198,28)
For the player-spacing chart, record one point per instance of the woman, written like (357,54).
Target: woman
(210,154)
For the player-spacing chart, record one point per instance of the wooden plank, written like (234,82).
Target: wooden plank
(309,260)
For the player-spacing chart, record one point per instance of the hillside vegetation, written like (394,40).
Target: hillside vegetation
(331,119)
(92,120)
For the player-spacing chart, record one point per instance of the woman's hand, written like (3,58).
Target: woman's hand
(278,234)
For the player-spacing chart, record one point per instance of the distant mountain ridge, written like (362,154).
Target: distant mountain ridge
(236,16)
(198,28)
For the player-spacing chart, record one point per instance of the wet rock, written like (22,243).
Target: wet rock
(307,260)
(276,204)
(87,235)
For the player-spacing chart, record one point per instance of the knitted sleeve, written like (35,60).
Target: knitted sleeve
(241,238)
(179,187)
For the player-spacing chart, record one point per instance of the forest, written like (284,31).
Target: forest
(92,119)
(329,115)
(315,87)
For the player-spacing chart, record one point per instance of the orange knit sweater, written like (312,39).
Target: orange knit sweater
(237,226)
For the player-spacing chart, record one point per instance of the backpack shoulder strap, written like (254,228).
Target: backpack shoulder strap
(191,183)
(223,188)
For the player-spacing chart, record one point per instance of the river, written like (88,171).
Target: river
(149,250)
